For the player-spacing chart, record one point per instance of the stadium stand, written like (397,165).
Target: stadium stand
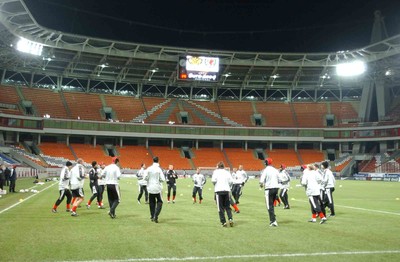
(134,156)
(239,112)
(45,102)
(311,156)
(89,153)
(211,109)
(284,156)
(310,114)
(208,157)
(56,150)
(9,101)
(170,156)
(277,114)
(238,156)
(84,106)
(345,112)
(126,108)
(165,113)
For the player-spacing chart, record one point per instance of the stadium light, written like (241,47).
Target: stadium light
(29,47)
(354,68)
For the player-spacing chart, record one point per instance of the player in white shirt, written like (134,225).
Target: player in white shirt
(312,181)
(63,187)
(77,180)
(269,181)
(155,177)
(112,174)
(142,185)
(199,180)
(222,181)
(284,178)
(329,187)
(101,185)
(239,179)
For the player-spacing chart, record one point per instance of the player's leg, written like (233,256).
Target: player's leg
(59,200)
(158,207)
(173,193)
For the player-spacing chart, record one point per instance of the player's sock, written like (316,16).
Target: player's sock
(68,206)
(314,216)
(173,198)
(74,208)
(55,207)
(73,200)
(89,202)
(235,207)
(321,215)
(194,199)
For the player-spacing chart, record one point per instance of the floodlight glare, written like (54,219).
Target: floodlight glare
(29,47)
(354,68)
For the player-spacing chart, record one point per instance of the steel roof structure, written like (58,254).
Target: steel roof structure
(102,64)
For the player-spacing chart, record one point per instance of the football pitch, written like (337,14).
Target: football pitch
(366,227)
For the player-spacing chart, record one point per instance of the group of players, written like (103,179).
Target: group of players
(319,184)
(101,177)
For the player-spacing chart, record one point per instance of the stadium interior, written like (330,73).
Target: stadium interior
(94,98)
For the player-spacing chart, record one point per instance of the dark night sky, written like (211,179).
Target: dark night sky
(244,25)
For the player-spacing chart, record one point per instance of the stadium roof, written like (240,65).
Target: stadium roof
(73,56)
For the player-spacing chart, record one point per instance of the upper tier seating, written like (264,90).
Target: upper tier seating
(83,105)
(45,102)
(240,112)
(344,112)
(9,96)
(276,114)
(310,114)
(126,108)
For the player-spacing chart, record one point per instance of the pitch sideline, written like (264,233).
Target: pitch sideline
(360,208)
(16,204)
(345,253)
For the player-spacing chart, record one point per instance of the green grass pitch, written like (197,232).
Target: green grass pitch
(366,227)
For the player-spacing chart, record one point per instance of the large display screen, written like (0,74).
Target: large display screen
(202,68)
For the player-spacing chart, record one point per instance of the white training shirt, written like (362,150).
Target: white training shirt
(112,174)
(101,176)
(77,176)
(284,178)
(65,175)
(330,179)
(240,177)
(199,180)
(311,180)
(154,177)
(222,180)
(269,177)
(140,177)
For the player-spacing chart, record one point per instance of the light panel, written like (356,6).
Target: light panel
(29,47)
(354,68)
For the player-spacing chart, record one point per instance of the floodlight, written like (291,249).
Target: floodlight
(27,46)
(354,68)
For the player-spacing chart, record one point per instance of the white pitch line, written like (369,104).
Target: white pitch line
(345,253)
(16,204)
(362,209)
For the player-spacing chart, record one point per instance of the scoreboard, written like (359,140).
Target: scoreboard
(201,68)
